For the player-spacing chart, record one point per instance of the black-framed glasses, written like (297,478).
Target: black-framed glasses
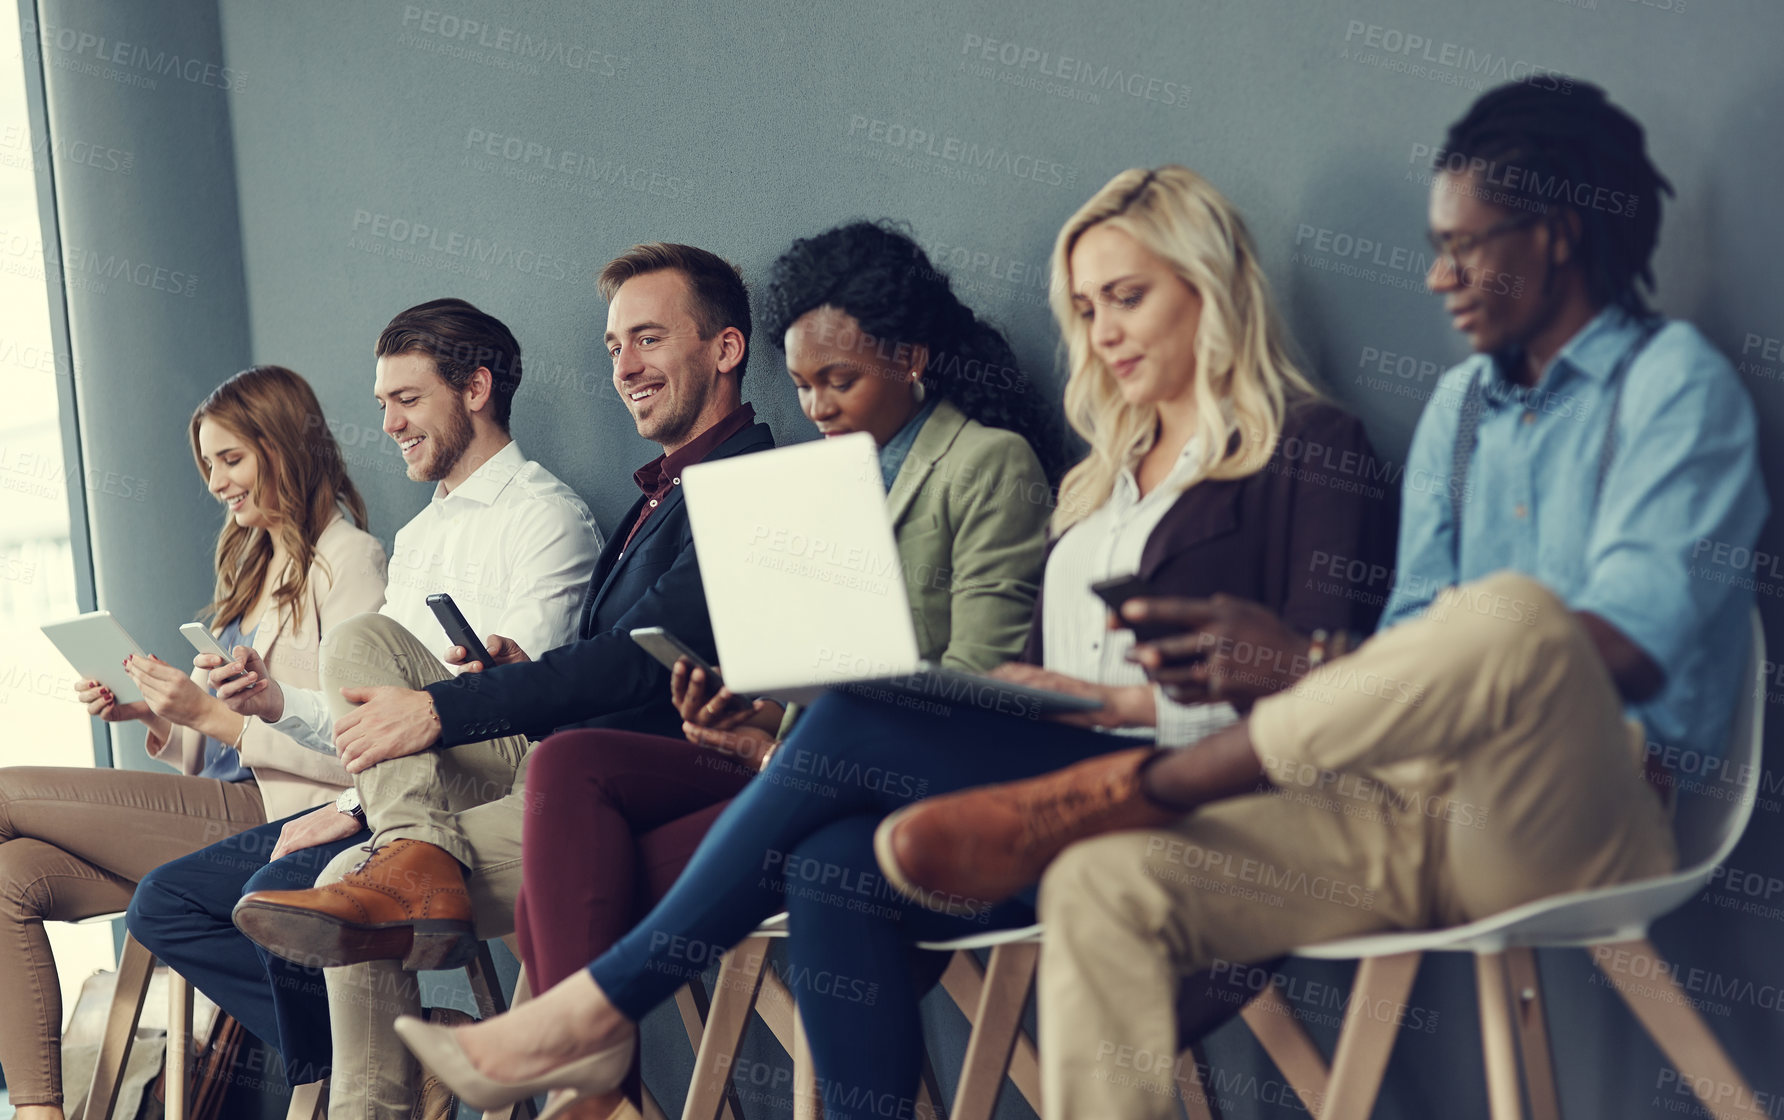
(1452,247)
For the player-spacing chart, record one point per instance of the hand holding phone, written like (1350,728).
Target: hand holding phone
(666,647)
(202,641)
(1119,590)
(452,620)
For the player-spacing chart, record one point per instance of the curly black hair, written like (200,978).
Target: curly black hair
(876,272)
(1560,147)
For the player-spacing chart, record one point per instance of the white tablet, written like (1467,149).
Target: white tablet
(96,645)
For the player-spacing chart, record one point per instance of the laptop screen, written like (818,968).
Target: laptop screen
(801,568)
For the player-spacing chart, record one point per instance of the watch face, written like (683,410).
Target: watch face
(348,802)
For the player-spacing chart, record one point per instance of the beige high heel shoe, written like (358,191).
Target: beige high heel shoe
(600,1072)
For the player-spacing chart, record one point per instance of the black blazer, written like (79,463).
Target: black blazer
(1323,504)
(604,678)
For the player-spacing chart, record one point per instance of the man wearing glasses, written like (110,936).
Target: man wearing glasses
(1552,628)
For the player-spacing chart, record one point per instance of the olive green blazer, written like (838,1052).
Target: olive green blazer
(969,509)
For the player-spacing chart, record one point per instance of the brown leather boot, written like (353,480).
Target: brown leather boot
(406,902)
(962,853)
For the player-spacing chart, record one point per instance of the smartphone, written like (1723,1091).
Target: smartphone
(666,647)
(1119,590)
(200,637)
(452,620)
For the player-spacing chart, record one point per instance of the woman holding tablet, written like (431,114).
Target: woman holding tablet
(1214,467)
(75,841)
(876,341)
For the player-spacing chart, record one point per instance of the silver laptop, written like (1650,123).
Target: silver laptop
(805,588)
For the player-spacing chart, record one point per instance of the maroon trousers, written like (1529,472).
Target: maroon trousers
(615,817)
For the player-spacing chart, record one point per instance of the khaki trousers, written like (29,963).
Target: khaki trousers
(74,842)
(1455,766)
(469,800)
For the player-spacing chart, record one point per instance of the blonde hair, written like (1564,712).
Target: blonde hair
(1243,355)
(301,482)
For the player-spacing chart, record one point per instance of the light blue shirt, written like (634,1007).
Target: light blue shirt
(898,448)
(1666,557)
(221,762)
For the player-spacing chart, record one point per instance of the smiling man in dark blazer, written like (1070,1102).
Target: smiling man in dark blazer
(421,743)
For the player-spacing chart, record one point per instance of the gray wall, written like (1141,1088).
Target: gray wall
(357,127)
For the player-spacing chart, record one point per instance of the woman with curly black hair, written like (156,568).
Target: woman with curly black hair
(903,309)
(876,341)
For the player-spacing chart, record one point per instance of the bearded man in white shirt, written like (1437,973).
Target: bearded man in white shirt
(514,547)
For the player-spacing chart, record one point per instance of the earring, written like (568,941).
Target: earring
(917,390)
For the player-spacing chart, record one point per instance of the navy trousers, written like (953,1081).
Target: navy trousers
(800,838)
(181,913)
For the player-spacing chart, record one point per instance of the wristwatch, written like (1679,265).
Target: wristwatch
(348,805)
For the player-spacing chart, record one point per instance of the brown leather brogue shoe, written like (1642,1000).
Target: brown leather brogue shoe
(963,852)
(406,902)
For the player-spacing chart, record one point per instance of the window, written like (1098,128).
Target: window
(44,726)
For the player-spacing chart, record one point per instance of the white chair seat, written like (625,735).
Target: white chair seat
(990,939)
(1575,919)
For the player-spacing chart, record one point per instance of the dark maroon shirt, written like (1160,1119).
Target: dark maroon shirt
(657,477)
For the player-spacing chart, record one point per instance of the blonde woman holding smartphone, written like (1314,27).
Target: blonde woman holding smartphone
(292,559)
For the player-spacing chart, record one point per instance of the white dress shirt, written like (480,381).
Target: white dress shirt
(1108,543)
(512,545)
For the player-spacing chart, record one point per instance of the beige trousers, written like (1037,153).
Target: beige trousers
(1452,767)
(74,842)
(469,800)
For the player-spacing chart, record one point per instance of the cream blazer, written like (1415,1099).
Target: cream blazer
(346,578)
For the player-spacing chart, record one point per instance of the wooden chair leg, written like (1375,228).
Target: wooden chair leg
(1532,1031)
(964,981)
(929,1094)
(999,1020)
(135,967)
(486,988)
(652,1110)
(740,978)
(1366,1040)
(309,1102)
(1504,1099)
(777,1009)
(1642,978)
(691,1002)
(179,1045)
(1198,1102)
(807,1103)
(1281,1035)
